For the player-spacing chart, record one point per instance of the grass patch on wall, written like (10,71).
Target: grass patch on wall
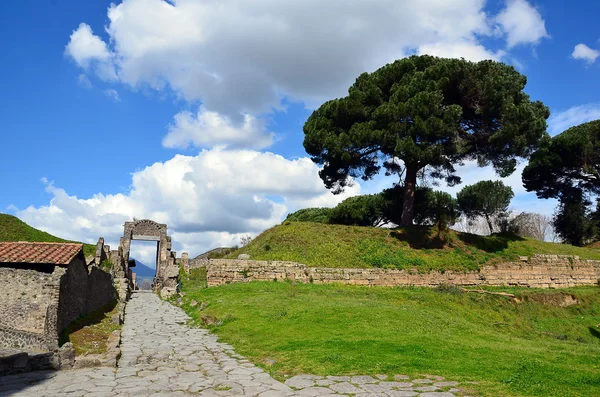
(324,245)
(529,348)
(90,333)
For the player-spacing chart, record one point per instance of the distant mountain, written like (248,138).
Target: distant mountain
(143,271)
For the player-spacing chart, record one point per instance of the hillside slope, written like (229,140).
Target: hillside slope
(324,245)
(14,229)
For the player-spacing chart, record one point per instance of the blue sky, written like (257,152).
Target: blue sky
(191,112)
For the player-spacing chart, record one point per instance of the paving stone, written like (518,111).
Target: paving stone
(346,388)
(437,394)
(360,380)
(402,393)
(300,382)
(422,381)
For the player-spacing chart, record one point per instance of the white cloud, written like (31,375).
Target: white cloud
(583,52)
(576,115)
(243,56)
(240,58)
(87,49)
(206,200)
(207,129)
(112,94)
(522,23)
(469,50)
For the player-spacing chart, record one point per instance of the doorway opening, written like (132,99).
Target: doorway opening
(142,261)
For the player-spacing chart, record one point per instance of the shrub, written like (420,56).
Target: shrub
(318,215)
(365,210)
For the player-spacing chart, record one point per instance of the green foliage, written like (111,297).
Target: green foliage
(573,221)
(14,229)
(486,198)
(319,215)
(510,349)
(420,247)
(437,208)
(568,161)
(567,167)
(425,111)
(364,210)
(106,265)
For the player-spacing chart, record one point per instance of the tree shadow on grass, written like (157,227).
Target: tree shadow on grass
(595,333)
(493,243)
(420,237)
(92,318)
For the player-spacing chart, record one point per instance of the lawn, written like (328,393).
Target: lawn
(324,245)
(527,348)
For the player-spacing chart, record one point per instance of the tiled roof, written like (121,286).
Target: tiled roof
(51,253)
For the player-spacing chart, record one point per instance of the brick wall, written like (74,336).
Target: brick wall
(539,271)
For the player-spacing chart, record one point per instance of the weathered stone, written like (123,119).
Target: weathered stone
(244,257)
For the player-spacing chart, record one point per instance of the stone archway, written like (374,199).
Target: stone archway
(167,267)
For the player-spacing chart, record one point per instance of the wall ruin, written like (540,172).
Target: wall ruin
(38,305)
(539,271)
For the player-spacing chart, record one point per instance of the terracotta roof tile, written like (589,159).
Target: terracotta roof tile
(27,252)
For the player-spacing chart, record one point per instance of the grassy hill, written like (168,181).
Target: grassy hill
(324,245)
(14,229)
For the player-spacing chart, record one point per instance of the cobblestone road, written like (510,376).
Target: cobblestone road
(160,356)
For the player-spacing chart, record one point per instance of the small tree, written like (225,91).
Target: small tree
(488,199)
(318,215)
(364,210)
(573,221)
(438,208)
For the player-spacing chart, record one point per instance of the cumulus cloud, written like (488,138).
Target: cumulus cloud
(207,200)
(576,115)
(583,52)
(243,57)
(88,49)
(469,50)
(207,129)
(521,23)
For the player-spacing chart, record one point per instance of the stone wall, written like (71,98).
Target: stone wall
(539,271)
(26,299)
(38,305)
(82,292)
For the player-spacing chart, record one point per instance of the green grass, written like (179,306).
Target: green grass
(324,245)
(90,333)
(531,348)
(14,229)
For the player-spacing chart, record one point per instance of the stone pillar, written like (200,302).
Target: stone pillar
(185,262)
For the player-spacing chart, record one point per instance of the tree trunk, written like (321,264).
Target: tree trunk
(489,222)
(410,184)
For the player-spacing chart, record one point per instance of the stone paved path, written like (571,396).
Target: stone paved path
(160,356)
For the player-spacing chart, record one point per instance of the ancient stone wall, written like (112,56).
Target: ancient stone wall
(37,305)
(26,297)
(539,271)
(82,292)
